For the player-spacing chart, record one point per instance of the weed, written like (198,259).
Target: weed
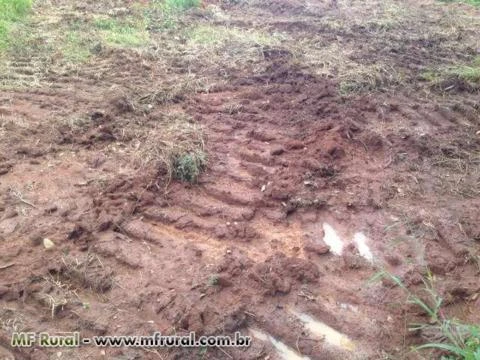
(187,167)
(362,78)
(202,351)
(460,341)
(212,280)
(60,294)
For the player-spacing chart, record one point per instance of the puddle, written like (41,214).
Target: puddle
(332,239)
(285,352)
(320,329)
(361,241)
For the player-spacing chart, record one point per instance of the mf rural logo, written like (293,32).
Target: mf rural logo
(44,339)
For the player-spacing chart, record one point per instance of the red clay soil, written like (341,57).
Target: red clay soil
(244,247)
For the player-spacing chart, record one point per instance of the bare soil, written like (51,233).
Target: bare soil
(287,152)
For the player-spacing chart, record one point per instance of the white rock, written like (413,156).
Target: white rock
(48,244)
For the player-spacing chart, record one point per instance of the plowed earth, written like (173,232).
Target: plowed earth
(289,159)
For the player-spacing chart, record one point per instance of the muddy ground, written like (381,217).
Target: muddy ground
(300,146)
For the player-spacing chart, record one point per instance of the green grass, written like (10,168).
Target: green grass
(125,33)
(472,2)
(467,73)
(75,47)
(188,167)
(165,14)
(212,280)
(14,9)
(460,341)
(181,4)
(11,11)
(463,341)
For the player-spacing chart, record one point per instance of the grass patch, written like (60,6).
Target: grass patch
(52,43)
(467,73)
(127,33)
(11,11)
(181,4)
(165,14)
(375,16)
(465,77)
(220,35)
(177,147)
(231,49)
(187,167)
(75,47)
(339,62)
(60,294)
(361,78)
(458,341)
(213,280)
(397,37)
(471,2)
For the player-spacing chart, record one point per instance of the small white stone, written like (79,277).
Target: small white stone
(48,244)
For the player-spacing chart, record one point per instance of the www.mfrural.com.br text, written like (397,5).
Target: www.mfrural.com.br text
(156,340)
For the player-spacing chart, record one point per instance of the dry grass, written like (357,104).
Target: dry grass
(376,16)
(11,320)
(335,61)
(463,77)
(52,44)
(342,58)
(173,90)
(60,290)
(89,272)
(175,145)
(57,294)
(61,39)
(229,49)
(380,45)
(461,175)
